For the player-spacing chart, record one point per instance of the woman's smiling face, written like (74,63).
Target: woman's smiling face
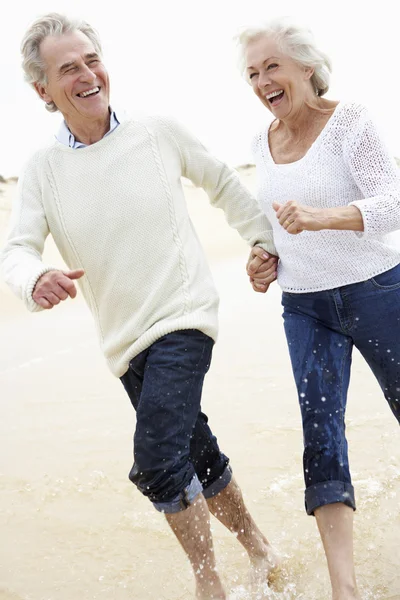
(281,84)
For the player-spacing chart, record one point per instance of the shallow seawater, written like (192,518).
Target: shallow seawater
(73,527)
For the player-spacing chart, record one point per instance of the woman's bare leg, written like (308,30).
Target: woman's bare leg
(335,524)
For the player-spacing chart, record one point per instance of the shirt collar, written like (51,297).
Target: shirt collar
(64,135)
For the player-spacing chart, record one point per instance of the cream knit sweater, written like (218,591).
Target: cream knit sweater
(347,164)
(117,210)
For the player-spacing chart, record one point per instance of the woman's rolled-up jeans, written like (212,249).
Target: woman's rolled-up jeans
(321,329)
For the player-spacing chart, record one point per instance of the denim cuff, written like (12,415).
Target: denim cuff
(219,484)
(183,500)
(329,492)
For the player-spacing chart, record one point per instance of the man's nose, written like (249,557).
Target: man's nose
(87,75)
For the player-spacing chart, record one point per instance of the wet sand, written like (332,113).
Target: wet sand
(73,526)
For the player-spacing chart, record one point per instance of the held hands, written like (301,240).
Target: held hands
(261,268)
(296,218)
(55,286)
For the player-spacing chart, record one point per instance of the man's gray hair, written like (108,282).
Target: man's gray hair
(295,41)
(52,24)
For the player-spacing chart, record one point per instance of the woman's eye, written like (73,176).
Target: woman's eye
(272,66)
(252,75)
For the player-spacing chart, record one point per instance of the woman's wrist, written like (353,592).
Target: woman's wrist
(347,218)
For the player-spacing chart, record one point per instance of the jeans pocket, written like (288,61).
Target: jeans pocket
(389,280)
(138,363)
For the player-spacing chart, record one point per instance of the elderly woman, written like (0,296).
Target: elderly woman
(331,191)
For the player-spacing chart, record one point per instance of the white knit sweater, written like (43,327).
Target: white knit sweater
(117,210)
(347,164)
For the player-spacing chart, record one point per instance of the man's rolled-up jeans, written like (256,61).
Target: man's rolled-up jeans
(176,456)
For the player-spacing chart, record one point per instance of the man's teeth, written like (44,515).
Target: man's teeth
(92,91)
(273,94)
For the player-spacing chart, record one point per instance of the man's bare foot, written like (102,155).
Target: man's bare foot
(263,568)
(209,588)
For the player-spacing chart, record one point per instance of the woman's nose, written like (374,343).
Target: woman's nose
(263,80)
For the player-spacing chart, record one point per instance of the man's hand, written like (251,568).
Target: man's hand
(261,268)
(296,218)
(54,286)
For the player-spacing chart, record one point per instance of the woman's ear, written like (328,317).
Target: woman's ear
(309,72)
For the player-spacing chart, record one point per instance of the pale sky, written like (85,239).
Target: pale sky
(176,57)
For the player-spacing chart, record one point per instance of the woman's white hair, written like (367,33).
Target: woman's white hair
(52,24)
(295,41)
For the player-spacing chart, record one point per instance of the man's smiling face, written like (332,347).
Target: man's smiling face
(77,81)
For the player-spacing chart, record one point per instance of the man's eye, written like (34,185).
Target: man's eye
(94,61)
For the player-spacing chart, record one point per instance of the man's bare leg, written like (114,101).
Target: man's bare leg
(335,524)
(192,528)
(229,508)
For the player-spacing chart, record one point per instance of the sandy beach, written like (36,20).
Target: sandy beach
(72,525)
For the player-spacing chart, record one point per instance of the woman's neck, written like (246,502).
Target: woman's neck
(297,123)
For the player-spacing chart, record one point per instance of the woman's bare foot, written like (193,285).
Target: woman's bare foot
(349,593)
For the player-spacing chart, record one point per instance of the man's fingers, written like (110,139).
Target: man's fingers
(55,286)
(76,274)
(268,265)
(254,265)
(60,291)
(258,287)
(43,302)
(52,298)
(266,278)
(68,286)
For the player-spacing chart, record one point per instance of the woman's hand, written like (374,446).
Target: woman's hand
(296,218)
(261,269)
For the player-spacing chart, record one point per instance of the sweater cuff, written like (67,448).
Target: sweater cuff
(360,204)
(267,243)
(374,220)
(30,303)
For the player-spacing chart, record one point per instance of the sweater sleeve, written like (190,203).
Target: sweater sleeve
(377,176)
(223,187)
(21,258)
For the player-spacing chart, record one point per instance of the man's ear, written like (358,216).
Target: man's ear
(42,92)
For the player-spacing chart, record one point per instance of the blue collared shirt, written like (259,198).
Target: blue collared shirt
(64,136)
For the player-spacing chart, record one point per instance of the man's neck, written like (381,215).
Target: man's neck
(90,132)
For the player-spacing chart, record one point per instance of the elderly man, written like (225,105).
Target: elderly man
(109,191)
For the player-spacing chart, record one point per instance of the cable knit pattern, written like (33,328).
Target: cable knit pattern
(347,164)
(117,209)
